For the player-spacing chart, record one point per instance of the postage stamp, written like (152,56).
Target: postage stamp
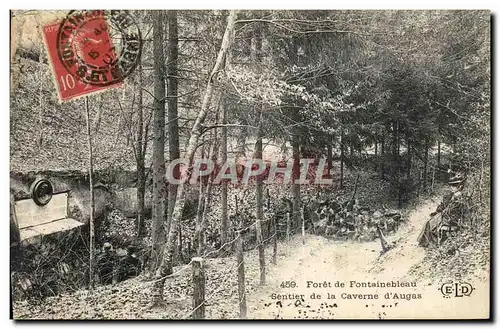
(92,50)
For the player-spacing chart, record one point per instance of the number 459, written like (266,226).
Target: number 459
(288,284)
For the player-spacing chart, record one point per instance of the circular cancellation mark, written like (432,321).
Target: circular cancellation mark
(99,47)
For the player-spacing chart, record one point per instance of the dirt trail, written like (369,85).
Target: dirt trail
(353,264)
(319,260)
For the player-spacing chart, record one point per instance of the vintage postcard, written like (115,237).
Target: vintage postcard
(250,164)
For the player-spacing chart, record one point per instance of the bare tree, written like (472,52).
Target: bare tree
(260,185)
(224,104)
(166,263)
(140,151)
(172,97)
(158,142)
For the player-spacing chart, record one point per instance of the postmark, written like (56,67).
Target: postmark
(99,47)
(67,86)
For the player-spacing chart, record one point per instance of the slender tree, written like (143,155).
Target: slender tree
(224,224)
(166,262)
(158,235)
(172,99)
(259,192)
(140,152)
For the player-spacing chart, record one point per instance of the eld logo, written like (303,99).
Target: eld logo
(456,289)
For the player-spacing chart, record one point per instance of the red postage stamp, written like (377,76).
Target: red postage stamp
(67,85)
(91,51)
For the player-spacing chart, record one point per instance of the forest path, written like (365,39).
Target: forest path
(334,263)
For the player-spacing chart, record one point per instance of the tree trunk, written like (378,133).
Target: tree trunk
(409,155)
(140,152)
(260,215)
(166,264)
(382,157)
(303,225)
(342,159)
(295,116)
(241,140)
(256,57)
(287,227)
(355,190)
(376,153)
(213,155)
(224,227)
(296,177)
(198,234)
(40,104)
(394,139)
(204,200)
(158,143)
(400,192)
(433,177)
(426,158)
(199,282)
(329,158)
(240,263)
(401,182)
(92,204)
(398,145)
(172,93)
(275,239)
(179,249)
(141,192)
(439,154)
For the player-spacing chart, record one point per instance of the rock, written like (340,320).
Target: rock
(391,213)
(330,230)
(120,252)
(334,207)
(365,238)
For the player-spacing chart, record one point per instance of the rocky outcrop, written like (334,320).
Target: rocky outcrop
(348,220)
